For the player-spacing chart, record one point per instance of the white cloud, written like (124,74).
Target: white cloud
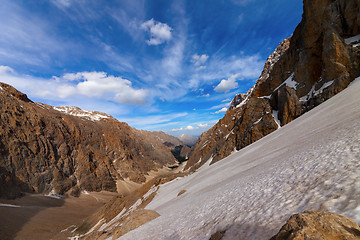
(203,125)
(195,129)
(159,32)
(227,84)
(223,110)
(89,84)
(99,84)
(190,127)
(199,60)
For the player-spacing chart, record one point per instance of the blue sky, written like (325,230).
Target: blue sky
(170,65)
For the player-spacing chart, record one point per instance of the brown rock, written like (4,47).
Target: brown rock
(314,225)
(44,148)
(135,220)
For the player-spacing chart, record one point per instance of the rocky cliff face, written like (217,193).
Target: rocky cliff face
(44,149)
(318,61)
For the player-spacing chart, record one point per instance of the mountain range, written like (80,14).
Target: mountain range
(45,149)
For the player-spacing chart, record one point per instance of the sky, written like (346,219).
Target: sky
(159,65)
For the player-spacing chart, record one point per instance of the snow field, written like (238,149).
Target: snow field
(311,163)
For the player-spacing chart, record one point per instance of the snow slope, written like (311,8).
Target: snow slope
(310,163)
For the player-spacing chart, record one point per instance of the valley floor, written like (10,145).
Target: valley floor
(42,217)
(312,163)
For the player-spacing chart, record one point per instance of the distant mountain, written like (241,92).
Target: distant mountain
(178,148)
(56,149)
(317,62)
(189,140)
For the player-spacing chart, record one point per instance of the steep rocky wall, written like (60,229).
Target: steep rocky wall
(317,62)
(44,149)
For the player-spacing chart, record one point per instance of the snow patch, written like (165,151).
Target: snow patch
(77,112)
(290,82)
(266,97)
(68,228)
(247,95)
(275,115)
(151,191)
(110,224)
(314,92)
(205,144)
(9,205)
(53,194)
(257,121)
(353,39)
(100,222)
(227,136)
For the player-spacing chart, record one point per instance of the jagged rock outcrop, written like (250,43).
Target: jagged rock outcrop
(318,61)
(314,225)
(45,149)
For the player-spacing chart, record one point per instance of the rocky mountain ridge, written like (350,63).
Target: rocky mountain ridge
(56,149)
(317,62)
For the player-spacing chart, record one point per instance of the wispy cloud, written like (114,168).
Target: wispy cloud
(154,121)
(159,32)
(25,39)
(62,3)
